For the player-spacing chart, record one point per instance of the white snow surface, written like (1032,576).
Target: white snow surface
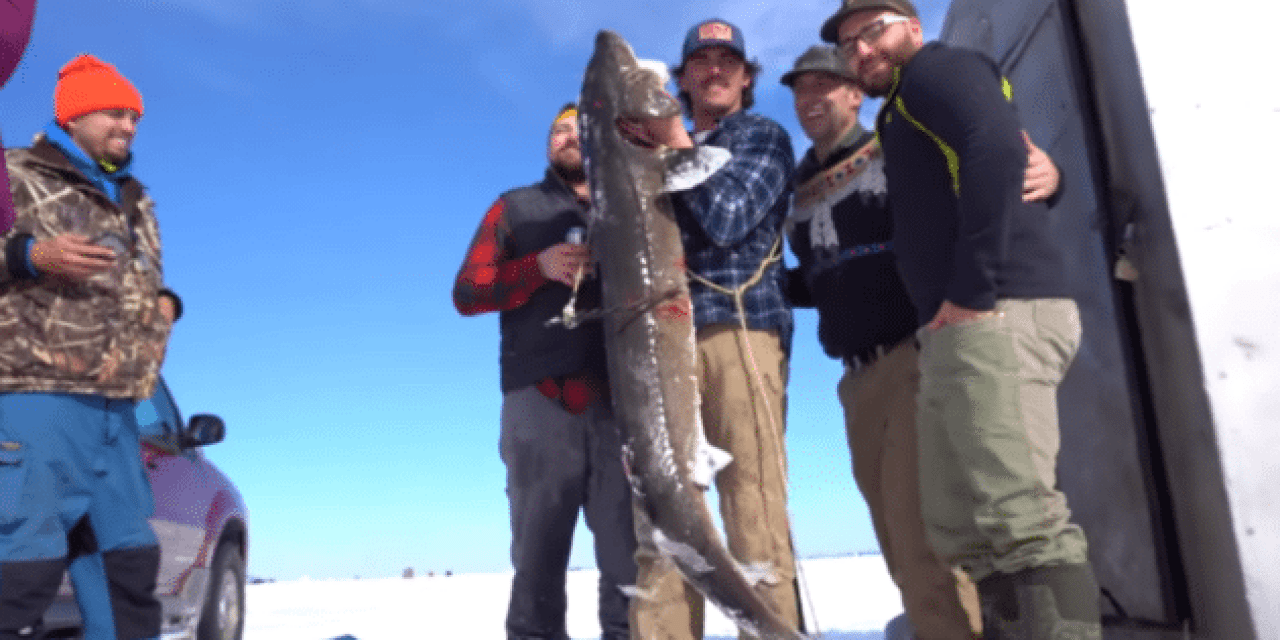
(852,599)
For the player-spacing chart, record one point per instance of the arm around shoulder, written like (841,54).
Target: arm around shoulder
(170,305)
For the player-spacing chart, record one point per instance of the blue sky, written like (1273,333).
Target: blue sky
(319,169)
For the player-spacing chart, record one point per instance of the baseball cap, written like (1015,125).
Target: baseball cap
(713,33)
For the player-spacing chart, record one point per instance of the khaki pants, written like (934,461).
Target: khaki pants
(988,432)
(753,490)
(879,411)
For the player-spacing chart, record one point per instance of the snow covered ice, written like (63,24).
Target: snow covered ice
(853,598)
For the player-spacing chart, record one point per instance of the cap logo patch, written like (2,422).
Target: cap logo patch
(716,31)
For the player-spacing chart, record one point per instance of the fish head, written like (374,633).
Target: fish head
(618,85)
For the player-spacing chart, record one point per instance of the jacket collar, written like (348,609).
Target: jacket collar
(852,140)
(52,156)
(887,106)
(58,149)
(701,137)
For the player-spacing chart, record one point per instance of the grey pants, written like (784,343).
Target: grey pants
(558,463)
(987,426)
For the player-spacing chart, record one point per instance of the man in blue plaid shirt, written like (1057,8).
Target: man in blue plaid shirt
(731,227)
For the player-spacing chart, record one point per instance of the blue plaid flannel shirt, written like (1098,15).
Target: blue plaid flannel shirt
(730,222)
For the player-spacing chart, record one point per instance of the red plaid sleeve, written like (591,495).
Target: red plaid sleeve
(490,279)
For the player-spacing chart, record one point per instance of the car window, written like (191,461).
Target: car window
(158,419)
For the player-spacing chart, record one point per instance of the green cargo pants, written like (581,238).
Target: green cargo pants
(880,418)
(988,436)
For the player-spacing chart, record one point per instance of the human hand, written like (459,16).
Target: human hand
(1041,178)
(72,257)
(656,132)
(167,308)
(954,314)
(561,262)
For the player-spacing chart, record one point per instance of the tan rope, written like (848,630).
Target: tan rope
(569,315)
(775,254)
(739,301)
(737,294)
(570,319)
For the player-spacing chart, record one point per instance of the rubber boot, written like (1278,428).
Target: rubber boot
(1058,602)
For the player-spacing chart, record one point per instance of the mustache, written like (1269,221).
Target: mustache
(715,80)
(873,59)
(571,173)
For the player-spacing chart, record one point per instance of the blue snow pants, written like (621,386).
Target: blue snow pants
(73,493)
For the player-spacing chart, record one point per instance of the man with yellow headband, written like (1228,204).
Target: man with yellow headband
(86,320)
(559,440)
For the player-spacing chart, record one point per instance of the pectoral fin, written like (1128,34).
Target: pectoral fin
(758,573)
(688,168)
(710,460)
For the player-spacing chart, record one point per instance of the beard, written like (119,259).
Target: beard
(112,152)
(894,57)
(877,87)
(571,172)
(704,103)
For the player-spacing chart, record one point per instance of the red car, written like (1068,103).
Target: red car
(202,524)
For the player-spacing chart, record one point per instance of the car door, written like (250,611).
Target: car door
(181,491)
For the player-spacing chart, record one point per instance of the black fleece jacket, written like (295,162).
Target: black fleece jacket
(954,161)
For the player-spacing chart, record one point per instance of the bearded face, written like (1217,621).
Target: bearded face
(106,134)
(873,44)
(564,150)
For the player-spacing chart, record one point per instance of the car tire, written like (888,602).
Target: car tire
(223,614)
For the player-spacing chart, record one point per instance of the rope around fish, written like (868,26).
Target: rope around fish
(571,318)
(739,301)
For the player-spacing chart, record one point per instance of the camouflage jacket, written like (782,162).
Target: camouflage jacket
(105,336)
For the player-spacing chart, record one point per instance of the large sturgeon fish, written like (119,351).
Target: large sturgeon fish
(649,328)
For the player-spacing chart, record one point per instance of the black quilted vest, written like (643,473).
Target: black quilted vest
(540,215)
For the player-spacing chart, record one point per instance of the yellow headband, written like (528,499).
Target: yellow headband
(567,113)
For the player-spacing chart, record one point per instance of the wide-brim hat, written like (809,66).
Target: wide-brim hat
(820,57)
(831,28)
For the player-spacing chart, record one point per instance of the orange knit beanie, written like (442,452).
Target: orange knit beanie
(87,84)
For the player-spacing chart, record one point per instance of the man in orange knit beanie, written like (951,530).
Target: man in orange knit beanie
(84,259)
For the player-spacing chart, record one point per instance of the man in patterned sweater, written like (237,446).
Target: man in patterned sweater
(84,323)
(731,230)
(559,440)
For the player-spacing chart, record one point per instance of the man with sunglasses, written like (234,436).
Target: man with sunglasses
(842,232)
(1000,327)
